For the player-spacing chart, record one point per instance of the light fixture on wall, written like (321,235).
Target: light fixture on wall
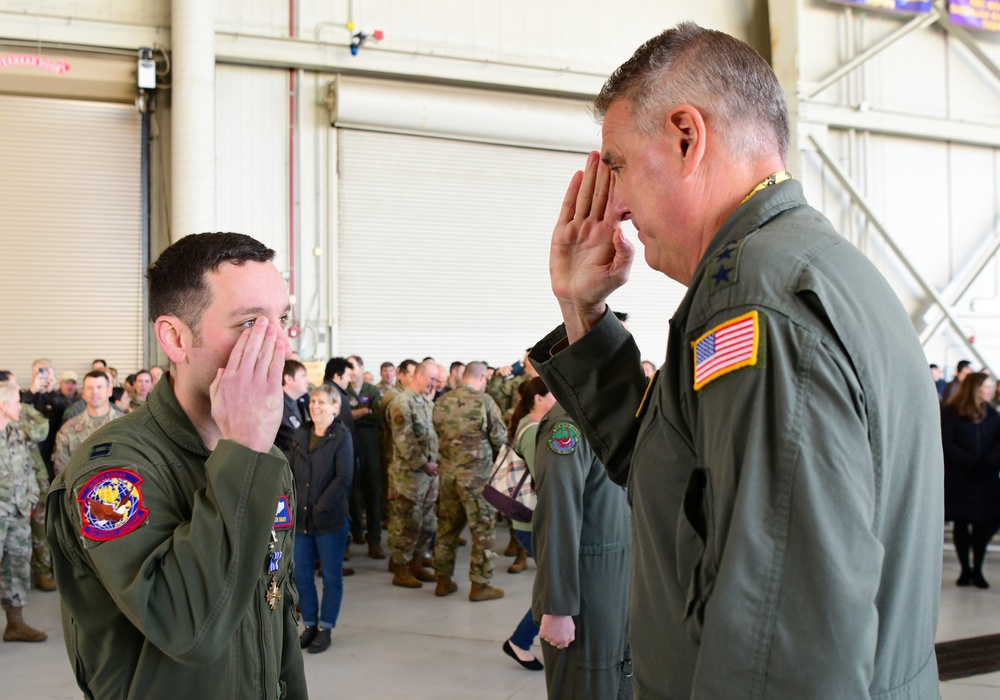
(359,38)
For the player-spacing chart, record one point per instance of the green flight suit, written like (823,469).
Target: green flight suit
(583,549)
(787,513)
(173,604)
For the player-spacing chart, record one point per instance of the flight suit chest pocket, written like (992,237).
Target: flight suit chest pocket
(696,568)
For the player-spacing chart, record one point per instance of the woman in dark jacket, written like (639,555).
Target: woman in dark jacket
(970,430)
(322,461)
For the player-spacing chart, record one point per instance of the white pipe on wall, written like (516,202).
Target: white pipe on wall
(193,117)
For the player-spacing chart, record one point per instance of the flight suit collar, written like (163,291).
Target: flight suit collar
(172,419)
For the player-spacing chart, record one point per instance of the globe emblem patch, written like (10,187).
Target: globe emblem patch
(111,505)
(565,437)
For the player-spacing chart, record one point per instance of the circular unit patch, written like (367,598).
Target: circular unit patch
(565,437)
(111,505)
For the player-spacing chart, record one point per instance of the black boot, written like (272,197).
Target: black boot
(307,636)
(321,643)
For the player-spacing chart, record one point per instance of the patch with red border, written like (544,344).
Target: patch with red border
(111,505)
(283,516)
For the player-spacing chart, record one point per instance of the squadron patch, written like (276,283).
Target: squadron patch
(111,505)
(726,348)
(283,516)
(565,437)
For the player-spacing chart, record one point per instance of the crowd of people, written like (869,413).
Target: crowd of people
(43,423)
(409,453)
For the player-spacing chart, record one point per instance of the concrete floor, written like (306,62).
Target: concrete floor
(392,642)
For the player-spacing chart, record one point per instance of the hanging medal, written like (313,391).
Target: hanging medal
(273,592)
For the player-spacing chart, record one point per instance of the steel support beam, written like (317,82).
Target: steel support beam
(862,204)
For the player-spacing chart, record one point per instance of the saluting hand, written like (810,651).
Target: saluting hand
(246,394)
(589,257)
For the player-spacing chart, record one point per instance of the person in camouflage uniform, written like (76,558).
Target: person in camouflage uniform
(471,430)
(98,413)
(18,495)
(504,385)
(36,427)
(389,393)
(413,479)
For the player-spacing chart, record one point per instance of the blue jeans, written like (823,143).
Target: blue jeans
(526,632)
(329,549)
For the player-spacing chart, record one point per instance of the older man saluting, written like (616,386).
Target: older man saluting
(784,465)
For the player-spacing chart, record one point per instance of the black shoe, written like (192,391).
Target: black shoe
(533,665)
(307,636)
(347,571)
(978,581)
(965,579)
(321,643)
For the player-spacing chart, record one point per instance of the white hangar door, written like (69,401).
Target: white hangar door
(70,269)
(444,242)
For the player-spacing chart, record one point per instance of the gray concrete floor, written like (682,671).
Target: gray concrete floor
(392,642)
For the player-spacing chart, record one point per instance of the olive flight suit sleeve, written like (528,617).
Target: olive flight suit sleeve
(574,381)
(185,576)
(556,524)
(776,537)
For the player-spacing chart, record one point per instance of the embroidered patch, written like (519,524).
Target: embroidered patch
(102,450)
(565,437)
(283,516)
(111,505)
(726,348)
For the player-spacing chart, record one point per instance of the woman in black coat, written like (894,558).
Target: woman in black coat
(970,430)
(322,460)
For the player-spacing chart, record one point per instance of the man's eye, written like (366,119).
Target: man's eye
(249,323)
(283,321)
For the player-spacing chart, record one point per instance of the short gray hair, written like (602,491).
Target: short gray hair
(725,79)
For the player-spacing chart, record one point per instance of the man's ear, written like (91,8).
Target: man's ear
(174,337)
(686,126)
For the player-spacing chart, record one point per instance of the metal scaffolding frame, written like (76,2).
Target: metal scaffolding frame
(938,16)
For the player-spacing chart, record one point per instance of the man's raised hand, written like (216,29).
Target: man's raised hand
(589,257)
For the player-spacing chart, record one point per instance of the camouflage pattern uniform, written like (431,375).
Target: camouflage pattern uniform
(471,430)
(385,442)
(36,426)
(74,432)
(411,510)
(504,392)
(18,494)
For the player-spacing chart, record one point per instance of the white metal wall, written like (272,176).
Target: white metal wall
(69,207)
(444,250)
(915,129)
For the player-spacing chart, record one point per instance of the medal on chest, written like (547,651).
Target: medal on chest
(273,594)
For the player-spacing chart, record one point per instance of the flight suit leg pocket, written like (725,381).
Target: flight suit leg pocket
(695,569)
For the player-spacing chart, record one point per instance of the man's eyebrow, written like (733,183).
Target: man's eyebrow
(609,157)
(257,311)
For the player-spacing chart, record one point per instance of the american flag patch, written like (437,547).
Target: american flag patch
(726,348)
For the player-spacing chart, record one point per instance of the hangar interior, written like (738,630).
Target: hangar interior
(406,159)
(408,169)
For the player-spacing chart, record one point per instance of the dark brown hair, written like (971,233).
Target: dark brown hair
(527,391)
(177,278)
(967,402)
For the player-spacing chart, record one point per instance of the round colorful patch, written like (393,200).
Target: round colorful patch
(111,505)
(565,437)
